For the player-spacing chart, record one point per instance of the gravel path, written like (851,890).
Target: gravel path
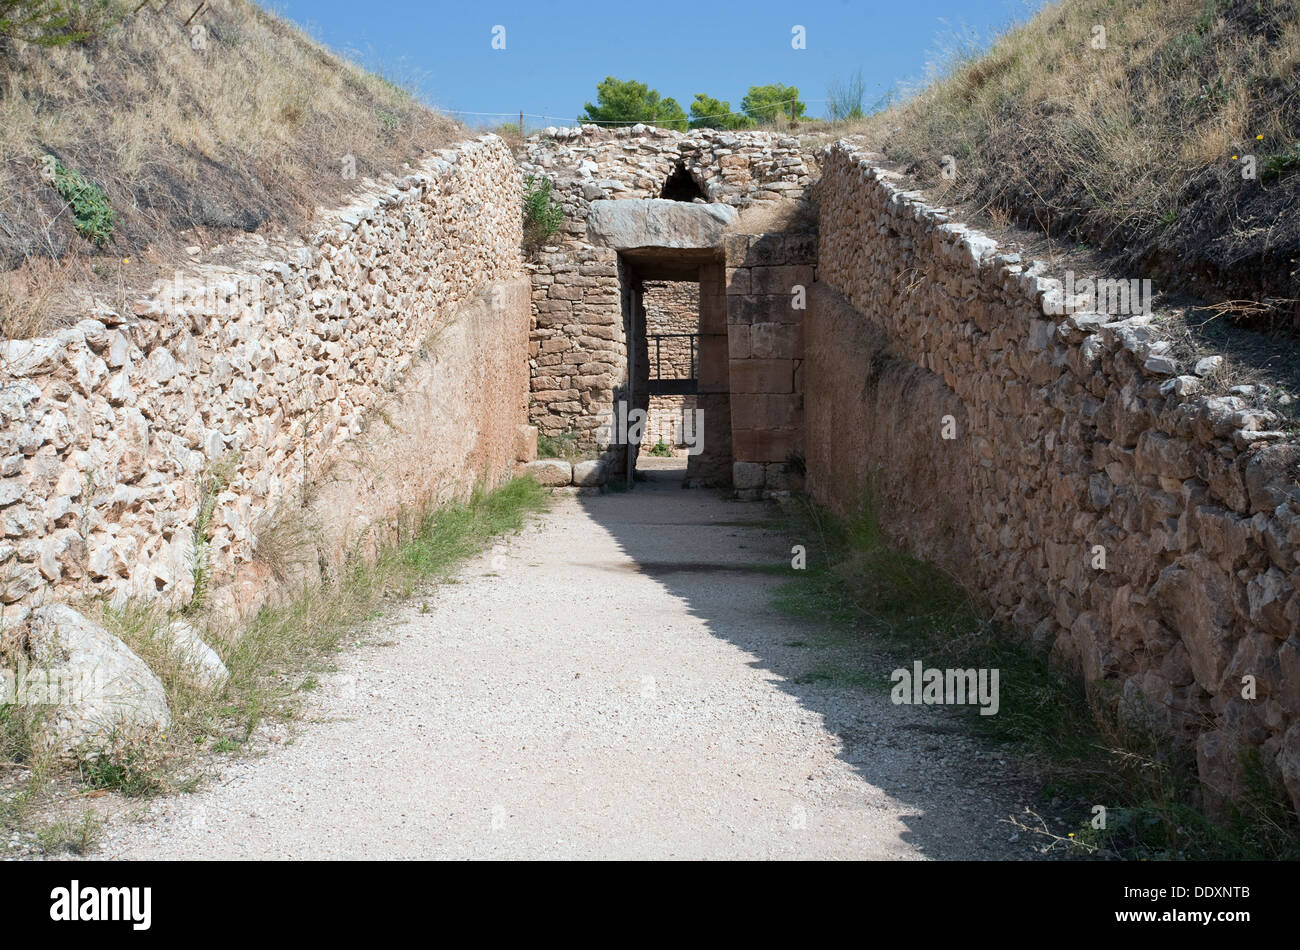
(611,683)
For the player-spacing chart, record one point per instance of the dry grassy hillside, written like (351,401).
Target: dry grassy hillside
(1137,147)
(194,126)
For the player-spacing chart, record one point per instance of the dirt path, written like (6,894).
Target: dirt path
(609,684)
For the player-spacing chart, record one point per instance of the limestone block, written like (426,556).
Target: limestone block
(548,473)
(762,376)
(657,222)
(106,691)
(1194,597)
(526,443)
(202,665)
(589,473)
(748,475)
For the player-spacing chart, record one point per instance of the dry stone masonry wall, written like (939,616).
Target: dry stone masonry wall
(769,279)
(578,345)
(1105,500)
(136,445)
(673,308)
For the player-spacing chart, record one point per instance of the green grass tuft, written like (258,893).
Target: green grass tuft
(70,837)
(562,446)
(124,768)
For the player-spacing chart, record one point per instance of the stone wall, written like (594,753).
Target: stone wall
(670,307)
(578,344)
(769,279)
(226,405)
(1100,497)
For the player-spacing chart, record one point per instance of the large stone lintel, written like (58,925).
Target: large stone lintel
(657,222)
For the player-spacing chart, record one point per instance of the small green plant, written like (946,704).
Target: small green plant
(20,729)
(661,449)
(91,212)
(122,768)
(1273,167)
(1213,10)
(45,22)
(211,483)
(70,837)
(543,215)
(561,446)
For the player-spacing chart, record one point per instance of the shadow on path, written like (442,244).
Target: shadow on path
(724,560)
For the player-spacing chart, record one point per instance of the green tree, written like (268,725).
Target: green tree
(627,102)
(765,103)
(55,22)
(710,113)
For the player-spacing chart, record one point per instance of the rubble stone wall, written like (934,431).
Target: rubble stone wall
(670,307)
(135,445)
(1118,509)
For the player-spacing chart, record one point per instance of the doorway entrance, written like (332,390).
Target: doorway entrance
(674,307)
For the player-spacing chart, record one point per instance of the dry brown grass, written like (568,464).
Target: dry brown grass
(27,297)
(1129,148)
(783,214)
(250,132)
(287,544)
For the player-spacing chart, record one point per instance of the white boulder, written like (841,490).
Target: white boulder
(203,667)
(98,690)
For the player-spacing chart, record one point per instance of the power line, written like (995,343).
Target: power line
(649,121)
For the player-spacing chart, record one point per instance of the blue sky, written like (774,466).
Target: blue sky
(556,52)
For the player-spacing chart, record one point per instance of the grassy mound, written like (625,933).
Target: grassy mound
(1133,126)
(140,132)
